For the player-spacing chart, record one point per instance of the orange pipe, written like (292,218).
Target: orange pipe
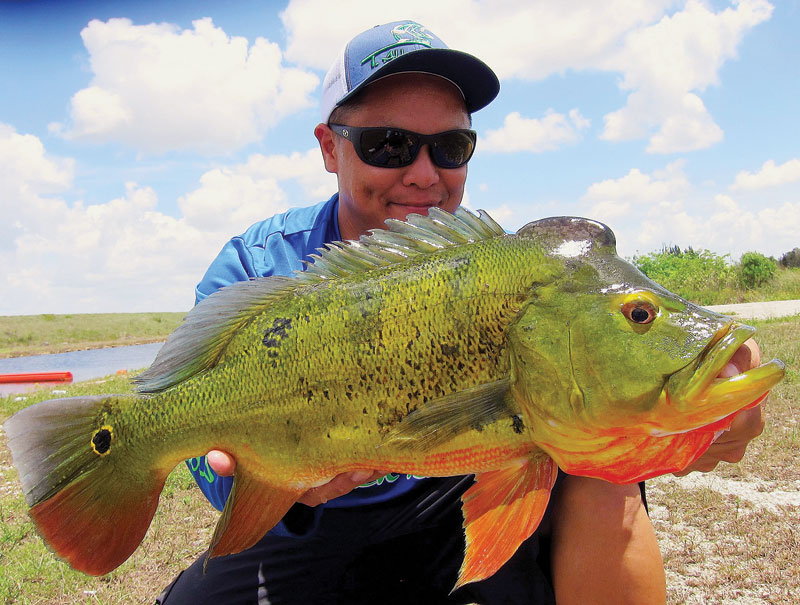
(37,377)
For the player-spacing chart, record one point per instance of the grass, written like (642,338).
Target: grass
(38,334)
(29,573)
(718,547)
(785,285)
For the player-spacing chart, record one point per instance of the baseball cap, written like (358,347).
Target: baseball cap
(405,46)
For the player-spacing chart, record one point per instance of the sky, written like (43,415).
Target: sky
(137,137)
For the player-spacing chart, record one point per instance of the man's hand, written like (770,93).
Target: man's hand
(746,426)
(224,465)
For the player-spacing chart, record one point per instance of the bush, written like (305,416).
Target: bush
(696,276)
(755,269)
(791,258)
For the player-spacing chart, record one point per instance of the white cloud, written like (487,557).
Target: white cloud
(531,134)
(158,88)
(122,255)
(683,124)
(770,175)
(232,197)
(126,254)
(667,52)
(666,64)
(25,168)
(648,211)
(635,193)
(524,39)
(27,174)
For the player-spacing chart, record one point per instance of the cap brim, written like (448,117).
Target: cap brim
(478,83)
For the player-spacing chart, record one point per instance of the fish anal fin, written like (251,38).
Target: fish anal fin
(253,508)
(95,531)
(501,510)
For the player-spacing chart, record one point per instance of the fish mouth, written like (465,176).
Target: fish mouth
(700,396)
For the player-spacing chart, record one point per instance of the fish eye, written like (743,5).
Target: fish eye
(639,311)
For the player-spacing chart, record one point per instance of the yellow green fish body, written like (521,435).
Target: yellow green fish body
(440,347)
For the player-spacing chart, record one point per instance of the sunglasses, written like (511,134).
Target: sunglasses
(396,148)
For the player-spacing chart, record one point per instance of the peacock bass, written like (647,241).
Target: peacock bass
(439,346)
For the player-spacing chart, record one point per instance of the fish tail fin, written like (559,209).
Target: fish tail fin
(501,510)
(90,501)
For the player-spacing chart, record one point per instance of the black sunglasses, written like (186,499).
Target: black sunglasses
(395,148)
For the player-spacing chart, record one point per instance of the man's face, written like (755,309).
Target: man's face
(368,195)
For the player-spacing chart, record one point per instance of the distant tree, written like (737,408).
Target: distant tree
(675,250)
(791,258)
(755,269)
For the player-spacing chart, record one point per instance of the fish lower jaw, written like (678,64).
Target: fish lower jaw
(713,407)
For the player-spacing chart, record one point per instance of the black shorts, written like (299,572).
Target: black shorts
(404,551)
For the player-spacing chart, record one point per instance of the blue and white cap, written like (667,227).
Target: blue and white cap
(405,46)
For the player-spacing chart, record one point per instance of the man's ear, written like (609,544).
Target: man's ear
(327,146)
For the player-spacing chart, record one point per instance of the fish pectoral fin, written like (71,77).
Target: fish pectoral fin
(252,509)
(439,420)
(501,510)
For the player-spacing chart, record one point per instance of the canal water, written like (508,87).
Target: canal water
(84,365)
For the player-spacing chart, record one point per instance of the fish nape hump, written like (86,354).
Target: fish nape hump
(555,232)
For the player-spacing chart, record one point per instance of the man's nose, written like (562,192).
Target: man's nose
(422,172)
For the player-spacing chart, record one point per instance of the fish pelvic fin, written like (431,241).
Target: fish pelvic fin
(501,510)
(252,509)
(91,504)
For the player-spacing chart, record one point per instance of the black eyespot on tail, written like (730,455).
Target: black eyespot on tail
(101,440)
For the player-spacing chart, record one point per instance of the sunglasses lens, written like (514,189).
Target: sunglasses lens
(453,149)
(388,147)
(395,148)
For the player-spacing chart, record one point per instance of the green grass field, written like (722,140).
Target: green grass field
(718,547)
(38,334)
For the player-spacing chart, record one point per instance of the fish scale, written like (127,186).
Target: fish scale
(443,346)
(389,367)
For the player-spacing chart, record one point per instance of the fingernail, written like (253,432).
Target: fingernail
(360,476)
(729,370)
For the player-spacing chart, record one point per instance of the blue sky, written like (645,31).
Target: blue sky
(137,137)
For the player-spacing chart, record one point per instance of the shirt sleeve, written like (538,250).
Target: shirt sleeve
(234,263)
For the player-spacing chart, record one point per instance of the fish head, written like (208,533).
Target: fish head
(603,355)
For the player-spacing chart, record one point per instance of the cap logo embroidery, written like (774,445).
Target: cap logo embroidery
(405,34)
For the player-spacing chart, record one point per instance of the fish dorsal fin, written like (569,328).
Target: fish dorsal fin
(416,235)
(198,342)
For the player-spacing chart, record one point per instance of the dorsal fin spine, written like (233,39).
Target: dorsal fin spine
(199,342)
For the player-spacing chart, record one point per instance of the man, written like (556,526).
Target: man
(399,539)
